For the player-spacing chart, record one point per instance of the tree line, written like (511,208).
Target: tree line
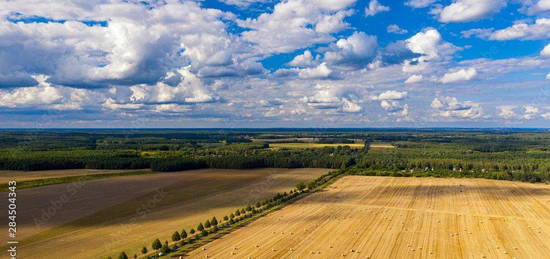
(239,159)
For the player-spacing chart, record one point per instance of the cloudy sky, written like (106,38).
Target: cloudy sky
(268,63)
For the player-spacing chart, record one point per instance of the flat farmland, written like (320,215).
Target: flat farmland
(385,217)
(381,146)
(100,218)
(322,145)
(21,176)
(313,145)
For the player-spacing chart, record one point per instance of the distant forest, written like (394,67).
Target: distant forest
(497,154)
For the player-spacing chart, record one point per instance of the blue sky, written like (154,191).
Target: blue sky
(266,63)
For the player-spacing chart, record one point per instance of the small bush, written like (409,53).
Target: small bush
(176,236)
(123,255)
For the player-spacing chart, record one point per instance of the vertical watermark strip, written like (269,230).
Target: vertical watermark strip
(12,220)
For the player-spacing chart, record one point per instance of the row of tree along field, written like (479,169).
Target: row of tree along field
(183,239)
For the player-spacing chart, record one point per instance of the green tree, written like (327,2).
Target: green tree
(144,250)
(123,255)
(192,231)
(214,221)
(165,249)
(156,244)
(207,224)
(300,186)
(311,185)
(200,227)
(225,218)
(183,234)
(204,233)
(176,236)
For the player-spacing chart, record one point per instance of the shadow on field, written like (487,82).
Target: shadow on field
(193,196)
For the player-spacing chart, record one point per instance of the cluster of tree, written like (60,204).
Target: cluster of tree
(339,157)
(496,147)
(451,160)
(497,175)
(74,159)
(176,164)
(43,140)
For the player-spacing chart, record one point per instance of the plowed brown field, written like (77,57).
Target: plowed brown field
(100,218)
(21,176)
(383,217)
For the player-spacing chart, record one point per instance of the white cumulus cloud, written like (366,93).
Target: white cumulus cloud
(394,28)
(545,51)
(45,95)
(375,7)
(414,79)
(524,31)
(358,49)
(244,3)
(470,10)
(329,97)
(392,95)
(535,7)
(333,23)
(319,72)
(507,111)
(459,75)
(450,107)
(303,60)
(430,44)
(530,111)
(294,24)
(390,102)
(419,3)
(189,90)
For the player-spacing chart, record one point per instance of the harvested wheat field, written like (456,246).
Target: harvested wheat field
(384,217)
(100,218)
(381,146)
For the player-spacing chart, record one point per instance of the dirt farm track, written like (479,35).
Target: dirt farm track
(384,217)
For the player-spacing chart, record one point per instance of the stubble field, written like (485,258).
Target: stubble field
(100,218)
(385,217)
(21,176)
